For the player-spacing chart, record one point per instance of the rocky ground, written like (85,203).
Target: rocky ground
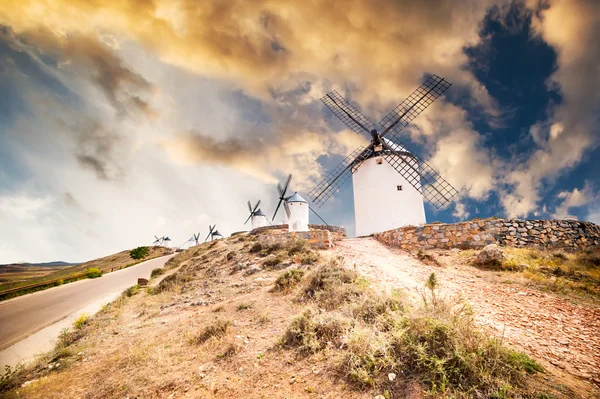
(562,333)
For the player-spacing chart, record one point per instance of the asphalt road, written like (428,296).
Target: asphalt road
(24,315)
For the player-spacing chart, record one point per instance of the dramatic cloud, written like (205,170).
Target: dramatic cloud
(572,29)
(573,199)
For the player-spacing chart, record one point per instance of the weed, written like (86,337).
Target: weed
(218,328)
(244,306)
(157,272)
(81,321)
(260,355)
(131,291)
(288,279)
(230,255)
(229,351)
(9,378)
(218,309)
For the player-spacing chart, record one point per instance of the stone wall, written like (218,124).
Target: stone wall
(319,239)
(561,234)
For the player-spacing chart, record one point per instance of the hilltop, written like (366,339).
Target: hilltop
(237,318)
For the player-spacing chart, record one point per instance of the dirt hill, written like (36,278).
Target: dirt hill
(234,319)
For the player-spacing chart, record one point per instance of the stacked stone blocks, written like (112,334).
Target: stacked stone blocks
(544,234)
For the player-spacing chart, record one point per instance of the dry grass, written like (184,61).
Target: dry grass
(288,279)
(555,270)
(167,344)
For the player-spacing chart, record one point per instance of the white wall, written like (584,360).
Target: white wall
(259,221)
(378,205)
(298,220)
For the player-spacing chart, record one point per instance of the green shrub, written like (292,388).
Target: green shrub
(273,261)
(93,272)
(157,272)
(139,253)
(296,246)
(288,279)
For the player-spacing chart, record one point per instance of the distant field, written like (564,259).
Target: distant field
(16,276)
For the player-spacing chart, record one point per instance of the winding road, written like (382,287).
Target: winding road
(24,315)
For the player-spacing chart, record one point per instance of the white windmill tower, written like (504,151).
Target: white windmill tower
(390,181)
(298,213)
(257,217)
(296,209)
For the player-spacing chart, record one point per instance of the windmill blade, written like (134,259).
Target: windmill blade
(256,207)
(210,231)
(324,190)
(288,212)
(323,220)
(414,104)
(280,190)
(278,205)
(420,175)
(287,183)
(347,113)
(249,217)
(249,207)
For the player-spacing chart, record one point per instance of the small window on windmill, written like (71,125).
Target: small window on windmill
(399,188)
(379,160)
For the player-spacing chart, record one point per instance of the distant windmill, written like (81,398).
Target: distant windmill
(390,181)
(160,241)
(166,240)
(296,208)
(259,219)
(196,238)
(212,233)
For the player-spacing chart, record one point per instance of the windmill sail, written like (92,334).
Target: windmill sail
(418,173)
(347,113)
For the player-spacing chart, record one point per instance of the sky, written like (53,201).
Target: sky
(125,119)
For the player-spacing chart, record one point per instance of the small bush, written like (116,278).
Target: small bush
(273,261)
(131,291)
(173,282)
(157,272)
(60,282)
(296,246)
(309,333)
(288,279)
(139,253)
(332,285)
(230,256)
(309,257)
(81,321)
(218,329)
(93,272)
(257,247)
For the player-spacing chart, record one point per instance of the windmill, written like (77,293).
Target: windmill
(259,219)
(390,181)
(296,208)
(160,241)
(166,240)
(212,233)
(195,238)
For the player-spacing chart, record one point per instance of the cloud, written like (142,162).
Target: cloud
(573,199)
(460,211)
(570,131)
(87,57)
